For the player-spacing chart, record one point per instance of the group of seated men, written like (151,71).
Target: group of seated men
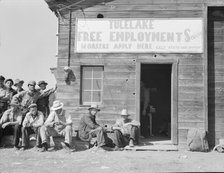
(24,117)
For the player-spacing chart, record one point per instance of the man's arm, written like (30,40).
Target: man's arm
(90,123)
(26,122)
(50,120)
(40,121)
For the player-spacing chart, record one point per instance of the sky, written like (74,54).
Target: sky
(28,41)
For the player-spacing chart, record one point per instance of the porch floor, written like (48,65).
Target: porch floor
(154,143)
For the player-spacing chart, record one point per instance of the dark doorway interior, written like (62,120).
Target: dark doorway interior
(157,78)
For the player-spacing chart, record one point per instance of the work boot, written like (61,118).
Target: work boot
(131,143)
(44,147)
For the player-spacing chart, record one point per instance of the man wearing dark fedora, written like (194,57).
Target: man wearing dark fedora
(43,102)
(126,130)
(19,85)
(34,119)
(58,123)
(89,128)
(10,123)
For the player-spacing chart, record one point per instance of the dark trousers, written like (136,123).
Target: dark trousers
(121,140)
(26,132)
(14,130)
(101,137)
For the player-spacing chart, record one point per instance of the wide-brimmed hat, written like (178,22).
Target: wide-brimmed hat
(42,82)
(94,106)
(57,105)
(2,78)
(33,105)
(32,83)
(124,112)
(17,81)
(9,80)
(220,146)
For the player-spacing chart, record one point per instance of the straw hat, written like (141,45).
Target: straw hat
(57,105)
(42,82)
(94,106)
(124,112)
(220,146)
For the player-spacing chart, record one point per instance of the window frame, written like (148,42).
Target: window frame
(82,103)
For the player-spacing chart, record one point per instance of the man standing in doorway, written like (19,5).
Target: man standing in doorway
(144,119)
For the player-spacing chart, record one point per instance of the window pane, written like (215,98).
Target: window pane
(96,96)
(86,96)
(97,72)
(87,72)
(96,84)
(86,85)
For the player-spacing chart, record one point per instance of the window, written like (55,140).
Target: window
(91,85)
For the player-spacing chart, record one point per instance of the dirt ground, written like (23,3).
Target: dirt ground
(109,161)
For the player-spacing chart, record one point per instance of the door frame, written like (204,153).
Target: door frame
(174,92)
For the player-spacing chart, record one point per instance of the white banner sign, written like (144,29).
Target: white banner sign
(139,36)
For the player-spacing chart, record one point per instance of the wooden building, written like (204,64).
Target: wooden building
(176,47)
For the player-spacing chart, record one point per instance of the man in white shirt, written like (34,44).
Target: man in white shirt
(32,122)
(58,123)
(126,130)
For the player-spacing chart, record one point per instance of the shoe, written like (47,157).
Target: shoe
(16,148)
(65,146)
(44,147)
(131,143)
(22,148)
(116,148)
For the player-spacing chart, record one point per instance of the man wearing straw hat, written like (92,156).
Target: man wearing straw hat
(58,123)
(125,130)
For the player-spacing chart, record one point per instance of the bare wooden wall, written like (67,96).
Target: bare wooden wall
(120,76)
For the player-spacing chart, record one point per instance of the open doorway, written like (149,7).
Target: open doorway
(155,98)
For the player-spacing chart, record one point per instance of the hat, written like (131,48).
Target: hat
(2,78)
(124,112)
(14,104)
(9,80)
(94,106)
(57,105)
(33,105)
(32,83)
(220,146)
(18,81)
(42,82)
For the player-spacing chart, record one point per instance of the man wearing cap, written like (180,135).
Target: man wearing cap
(89,128)
(43,102)
(10,123)
(58,123)
(19,85)
(9,90)
(125,130)
(26,98)
(34,119)
(3,96)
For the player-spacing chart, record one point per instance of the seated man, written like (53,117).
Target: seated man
(58,123)
(125,130)
(89,128)
(32,122)
(10,123)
